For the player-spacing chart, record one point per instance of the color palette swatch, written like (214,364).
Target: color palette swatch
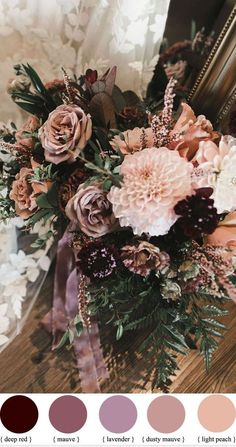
(216,413)
(68,414)
(19,414)
(166,414)
(118,414)
(139,419)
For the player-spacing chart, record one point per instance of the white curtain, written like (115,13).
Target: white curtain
(79,34)
(76,34)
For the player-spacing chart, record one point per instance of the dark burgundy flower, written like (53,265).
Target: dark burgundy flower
(91,75)
(197,213)
(68,188)
(97,260)
(131,117)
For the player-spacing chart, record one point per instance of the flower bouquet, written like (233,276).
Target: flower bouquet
(142,207)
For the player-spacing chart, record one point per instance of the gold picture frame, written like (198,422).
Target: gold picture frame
(214,91)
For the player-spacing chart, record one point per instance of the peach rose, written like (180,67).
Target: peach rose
(65,133)
(193,130)
(24,192)
(32,124)
(225,233)
(130,142)
(91,210)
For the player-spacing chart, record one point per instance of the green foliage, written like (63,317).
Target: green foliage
(64,340)
(43,173)
(132,303)
(41,241)
(39,102)
(7,210)
(74,329)
(48,208)
(100,158)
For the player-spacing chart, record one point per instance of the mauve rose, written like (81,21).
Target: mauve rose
(91,210)
(24,192)
(65,133)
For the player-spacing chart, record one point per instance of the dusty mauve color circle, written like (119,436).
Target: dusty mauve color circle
(166,414)
(118,414)
(19,414)
(216,413)
(68,414)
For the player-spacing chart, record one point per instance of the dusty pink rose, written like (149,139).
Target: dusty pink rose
(193,130)
(32,124)
(91,210)
(24,193)
(141,257)
(154,181)
(130,141)
(65,133)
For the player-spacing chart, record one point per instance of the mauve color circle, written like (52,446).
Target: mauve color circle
(68,414)
(166,414)
(118,414)
(19,414)
(216,413)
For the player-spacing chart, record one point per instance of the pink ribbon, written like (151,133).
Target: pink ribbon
(87,346)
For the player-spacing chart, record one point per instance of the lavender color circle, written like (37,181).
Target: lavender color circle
(68,414)
(166,414)
(118,414)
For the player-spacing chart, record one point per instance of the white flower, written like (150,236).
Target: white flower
(44,263)
(32,274)
(4,323)
(18,287)
(224,194)
(217,169)
(8,274)
(16,302)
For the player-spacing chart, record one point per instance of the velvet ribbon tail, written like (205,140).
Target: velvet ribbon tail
(87,346)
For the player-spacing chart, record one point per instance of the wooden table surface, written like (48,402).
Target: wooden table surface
(29,366)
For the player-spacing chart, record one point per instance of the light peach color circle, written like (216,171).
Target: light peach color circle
(216,413)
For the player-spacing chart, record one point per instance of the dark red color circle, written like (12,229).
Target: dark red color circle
(19,414)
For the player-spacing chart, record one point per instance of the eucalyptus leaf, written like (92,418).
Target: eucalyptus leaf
(79,328)
(71,335)
(64,340)
(119,332)
(43,202)
(107,184)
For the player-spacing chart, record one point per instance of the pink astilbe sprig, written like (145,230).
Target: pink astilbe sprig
(71,93)
(143,139)
(215,268)
(11,148)
(161,124)
(83,301)
(20,153)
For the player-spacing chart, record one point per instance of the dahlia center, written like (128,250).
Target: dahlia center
(156,187)
(145,173)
